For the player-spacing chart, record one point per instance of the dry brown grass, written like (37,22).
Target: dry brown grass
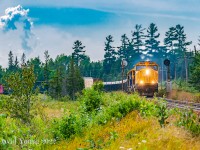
(182,95)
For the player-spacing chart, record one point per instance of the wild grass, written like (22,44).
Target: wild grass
(119,121)
(132,132)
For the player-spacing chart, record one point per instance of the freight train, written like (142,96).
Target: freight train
(142,78)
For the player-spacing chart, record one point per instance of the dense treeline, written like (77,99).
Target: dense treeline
(62,76)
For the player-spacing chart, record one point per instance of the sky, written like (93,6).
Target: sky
(35,26)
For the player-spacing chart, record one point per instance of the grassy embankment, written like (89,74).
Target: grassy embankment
(121,122)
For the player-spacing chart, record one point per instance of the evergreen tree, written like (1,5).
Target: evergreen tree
(122,52)
(195,71)
(23,59)
(175,40)
(10,61)
(46,70)
(56,82)
(181,39)
(176,43)
(16,65)
(16,62)
(170,37)
(152,44)
(75,82)
(125,52)
(138,36)
(79,51)
(36,62)
(110,55)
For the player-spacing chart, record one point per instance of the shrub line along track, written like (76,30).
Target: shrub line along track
(182,104)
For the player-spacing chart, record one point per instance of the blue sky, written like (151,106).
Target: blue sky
(55,25)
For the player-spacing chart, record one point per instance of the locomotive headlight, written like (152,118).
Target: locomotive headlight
(141,82)
(147,72)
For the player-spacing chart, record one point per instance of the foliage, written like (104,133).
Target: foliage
(16,135)
(190,121)
(195,71)
(75,82)
(125,51)
(77,55)
(68,126)
(151,42)
(161,93)
(98,86)
(147,109)
(184,86)
(117,110)
(113,135)
(110,55)
(138,37)
(56,82)
(91,99)
(134,132)
(162,113)
(46,70)
(21,87)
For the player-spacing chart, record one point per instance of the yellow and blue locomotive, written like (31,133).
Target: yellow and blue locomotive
(143,78)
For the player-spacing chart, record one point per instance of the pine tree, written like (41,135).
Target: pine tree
(109,56)
(10,61)
(170,37)
(195,71)
(122,51)
(138,36)
(75,82)
(23,59)
(56,83)
(152,44)
(16,65)
(16,62)
(125,51)
(79,51)
(46,70)
(181,39)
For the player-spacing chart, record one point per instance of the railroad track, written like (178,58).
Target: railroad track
(183,104)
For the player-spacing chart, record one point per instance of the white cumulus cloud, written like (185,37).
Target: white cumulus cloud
(14,16)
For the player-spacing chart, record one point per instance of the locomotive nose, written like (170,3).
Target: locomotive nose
(147,72)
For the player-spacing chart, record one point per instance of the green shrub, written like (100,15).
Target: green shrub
(147,109)
(162,112)
(68,126)
(117,110)
(190,121)
(161,93)
(91,100)
(98,86)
